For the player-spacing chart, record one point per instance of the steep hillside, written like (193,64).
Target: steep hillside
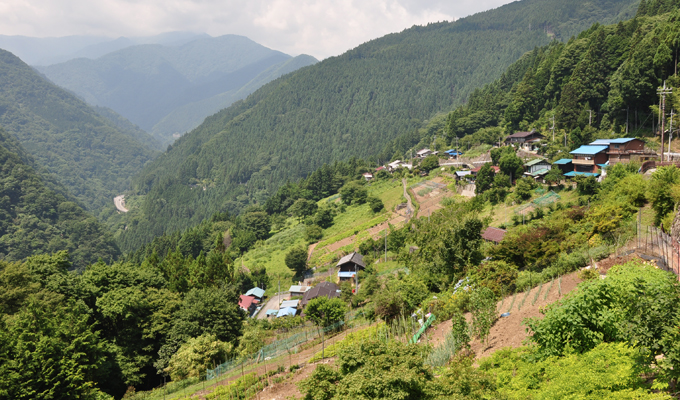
(90,156)
(187,117)
(147,83)
(345,106)
(36,219)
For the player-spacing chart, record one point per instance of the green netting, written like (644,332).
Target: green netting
(539,190)
(278,347)
(545,200)
(428,185)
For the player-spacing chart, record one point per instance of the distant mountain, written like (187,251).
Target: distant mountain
(148,83)
(36,217)
(88,154)
(52,50)
(353,105)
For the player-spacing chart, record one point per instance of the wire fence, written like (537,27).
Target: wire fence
(278,347)
(656,245)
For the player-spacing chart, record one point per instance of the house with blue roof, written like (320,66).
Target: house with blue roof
(624,150)
(453,153)
(586,159)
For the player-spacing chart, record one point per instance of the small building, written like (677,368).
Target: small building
(526,140)
(297,290)
(564,165)
(271,313)
(323,289)
(535,165)
(624,150)
(256,292)
(285,312)
(453,153)
(367,175)
(462,174)
(423,153)
(495,169)
(290,304)
(587,157)
(494,235)
(248,303)
(394,165)
(349,266)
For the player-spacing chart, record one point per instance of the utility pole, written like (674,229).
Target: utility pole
(590,117)
(627,110)
(670,135)
(663,92)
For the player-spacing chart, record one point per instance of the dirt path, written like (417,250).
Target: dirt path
(409,204)
(310,250)
(119,201)
(510,331)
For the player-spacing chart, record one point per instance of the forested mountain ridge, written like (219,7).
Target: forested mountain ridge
(83,151)
(606,80)
(35,219)
(147,83)
(345,106)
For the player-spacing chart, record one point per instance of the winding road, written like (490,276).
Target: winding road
(119,201)
(409,206)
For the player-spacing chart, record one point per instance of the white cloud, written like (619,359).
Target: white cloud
(321,28)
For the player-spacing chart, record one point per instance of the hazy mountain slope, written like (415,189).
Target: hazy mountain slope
(130,129)
(35,219)
(189,116)
(146,83)
(345,106)
(90,156)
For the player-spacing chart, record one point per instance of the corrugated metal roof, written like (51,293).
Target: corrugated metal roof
(589,150)
(286,311)
(540,172)
(494,234)
(609,141)
(535,161)
(298,289)
(290,303)
(256,291)
(463,173)
(563,161)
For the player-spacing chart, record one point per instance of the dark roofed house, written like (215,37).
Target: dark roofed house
(349,266)
(624,150)
(526,140)
(495,235)
(323,289)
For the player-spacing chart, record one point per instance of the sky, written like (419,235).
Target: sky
(321,28)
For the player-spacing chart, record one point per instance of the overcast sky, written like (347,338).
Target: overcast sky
(321,28)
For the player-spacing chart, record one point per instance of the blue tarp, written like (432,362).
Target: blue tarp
(286,311)
(343,274)
(453,152)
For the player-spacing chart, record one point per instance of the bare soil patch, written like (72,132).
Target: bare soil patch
(510,331)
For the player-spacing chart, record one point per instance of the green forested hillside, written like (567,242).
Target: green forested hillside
(147,83)
(605,80)
(90,156)
(189,116)
(35,219)
(350,105)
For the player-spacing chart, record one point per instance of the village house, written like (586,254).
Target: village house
(248,304)
(323,289)
(367,175)
(565,165)
(349,266)
(423,153)
(494,235)
(256,293)
(453,153)
(495,169)
(297,290)
(525,140)
(537,168)
(624,150)
(588,160)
